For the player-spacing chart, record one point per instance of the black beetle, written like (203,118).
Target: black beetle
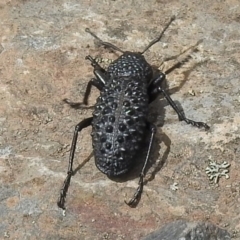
(119,120)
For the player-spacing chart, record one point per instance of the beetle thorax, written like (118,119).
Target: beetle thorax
(131,64)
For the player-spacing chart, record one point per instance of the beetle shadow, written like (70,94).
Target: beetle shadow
(82,164)
(186,75)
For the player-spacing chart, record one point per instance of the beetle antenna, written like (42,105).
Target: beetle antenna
(160,36)
(106,44)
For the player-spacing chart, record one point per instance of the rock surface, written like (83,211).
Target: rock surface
(182,230)
(43,45)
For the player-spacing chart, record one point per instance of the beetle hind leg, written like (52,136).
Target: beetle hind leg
(136,197)
(63,193)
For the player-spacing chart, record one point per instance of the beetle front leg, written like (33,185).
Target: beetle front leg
(98,82)
(83,124)
(154,89)
(93,82)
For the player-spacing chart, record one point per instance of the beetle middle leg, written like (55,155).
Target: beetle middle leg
(97,82)
(136,197)
(83,124)
(155,88)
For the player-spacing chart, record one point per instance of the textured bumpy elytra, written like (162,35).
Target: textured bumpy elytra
(119,124)
(119,121)
(120,115)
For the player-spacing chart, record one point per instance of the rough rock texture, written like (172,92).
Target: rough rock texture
(183,230)
(43,45)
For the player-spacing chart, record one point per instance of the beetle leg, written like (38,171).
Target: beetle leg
(63,193)
(98,82)
(94,63)
(154,89)
(136,197)
(98,71)
(93,82)
(153,92)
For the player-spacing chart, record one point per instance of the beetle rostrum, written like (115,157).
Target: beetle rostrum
(119,120)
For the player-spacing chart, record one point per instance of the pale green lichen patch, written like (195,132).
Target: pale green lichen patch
(216,170)
(103,61)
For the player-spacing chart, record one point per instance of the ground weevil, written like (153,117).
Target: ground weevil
(119,119)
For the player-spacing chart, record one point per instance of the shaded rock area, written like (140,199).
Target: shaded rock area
(192,175)
(182,230)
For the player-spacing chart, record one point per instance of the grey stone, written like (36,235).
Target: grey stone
(183,230)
